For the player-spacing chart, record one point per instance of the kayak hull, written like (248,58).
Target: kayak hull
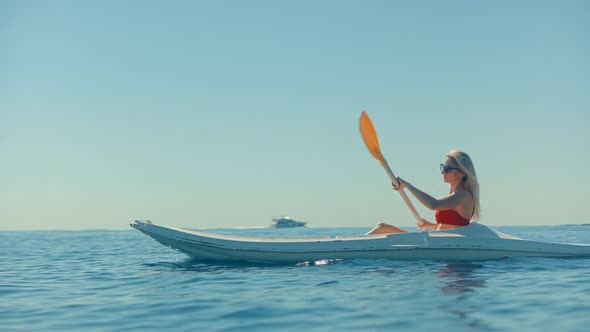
(469,243)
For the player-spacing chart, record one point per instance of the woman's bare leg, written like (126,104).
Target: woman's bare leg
(383,228)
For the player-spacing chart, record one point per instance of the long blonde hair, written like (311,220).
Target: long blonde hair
(469,181)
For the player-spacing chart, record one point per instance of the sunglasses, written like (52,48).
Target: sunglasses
(447,169)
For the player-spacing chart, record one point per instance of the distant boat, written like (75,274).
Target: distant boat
(286,222)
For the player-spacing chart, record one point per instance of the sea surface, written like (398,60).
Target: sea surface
(124,281)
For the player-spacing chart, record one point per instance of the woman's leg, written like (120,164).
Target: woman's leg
(383,228)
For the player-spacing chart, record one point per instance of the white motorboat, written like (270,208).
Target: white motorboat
(286,222)
(472,242)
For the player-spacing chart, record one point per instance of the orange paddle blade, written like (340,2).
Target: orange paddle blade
(370,136)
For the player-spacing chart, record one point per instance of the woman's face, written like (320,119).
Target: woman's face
(452,174)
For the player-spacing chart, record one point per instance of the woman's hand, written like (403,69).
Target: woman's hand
(402,184)
(425,224)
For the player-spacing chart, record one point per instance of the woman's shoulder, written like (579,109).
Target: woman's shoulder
(463,193)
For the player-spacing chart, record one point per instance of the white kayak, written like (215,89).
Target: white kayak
(472,242)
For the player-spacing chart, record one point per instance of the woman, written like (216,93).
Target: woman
(454,210)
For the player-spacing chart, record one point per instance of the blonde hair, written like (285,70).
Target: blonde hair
(469,181)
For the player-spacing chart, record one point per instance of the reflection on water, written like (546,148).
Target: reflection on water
(196,265)
(459,281)
(320,262)
(460,278)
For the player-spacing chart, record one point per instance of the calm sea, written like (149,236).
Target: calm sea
(125,281)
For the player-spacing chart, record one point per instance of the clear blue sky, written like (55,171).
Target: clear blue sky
(227,113)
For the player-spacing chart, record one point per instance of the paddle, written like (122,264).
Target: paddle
(372,143)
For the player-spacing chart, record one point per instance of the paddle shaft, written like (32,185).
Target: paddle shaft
(370,137)
(401,192)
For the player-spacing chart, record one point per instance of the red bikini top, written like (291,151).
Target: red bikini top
(450,217)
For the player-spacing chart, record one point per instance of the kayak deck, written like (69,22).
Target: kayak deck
(472,242)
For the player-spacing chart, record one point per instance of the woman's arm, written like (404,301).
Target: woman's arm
(451,201)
